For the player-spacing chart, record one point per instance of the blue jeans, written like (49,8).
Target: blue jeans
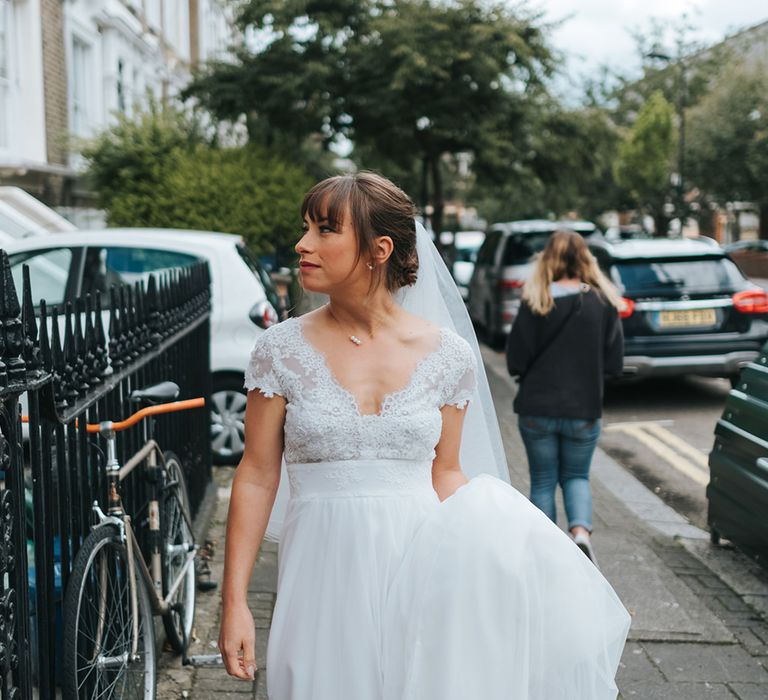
(560,451)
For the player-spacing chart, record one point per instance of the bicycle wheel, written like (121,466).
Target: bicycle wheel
(97,658)
(177,541)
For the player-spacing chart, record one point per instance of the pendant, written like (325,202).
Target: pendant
(355,340)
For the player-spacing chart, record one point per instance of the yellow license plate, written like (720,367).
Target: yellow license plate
(687,317)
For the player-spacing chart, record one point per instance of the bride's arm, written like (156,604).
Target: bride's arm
(253,493)
(446,469)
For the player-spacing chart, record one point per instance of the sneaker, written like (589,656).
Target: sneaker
(584,543)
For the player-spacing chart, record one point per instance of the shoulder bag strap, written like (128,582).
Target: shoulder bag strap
(576,303)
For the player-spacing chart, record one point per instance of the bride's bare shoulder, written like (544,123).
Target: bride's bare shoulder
(415,330)
(316,318)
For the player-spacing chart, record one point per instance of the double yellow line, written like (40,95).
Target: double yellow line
(671,448)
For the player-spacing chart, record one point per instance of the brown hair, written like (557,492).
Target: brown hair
(377,207)
(565,255)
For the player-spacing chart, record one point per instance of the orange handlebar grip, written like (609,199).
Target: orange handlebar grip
(143,413)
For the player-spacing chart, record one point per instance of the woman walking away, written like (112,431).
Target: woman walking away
(566,338)
(409,568)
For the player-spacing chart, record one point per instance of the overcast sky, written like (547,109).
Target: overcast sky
(596,32)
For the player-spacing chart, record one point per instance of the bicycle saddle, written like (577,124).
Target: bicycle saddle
(157,393)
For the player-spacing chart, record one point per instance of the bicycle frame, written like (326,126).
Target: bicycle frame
(116,515)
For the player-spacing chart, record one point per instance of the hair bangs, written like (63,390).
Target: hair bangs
(328,200)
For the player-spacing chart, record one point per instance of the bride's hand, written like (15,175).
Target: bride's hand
(237,641)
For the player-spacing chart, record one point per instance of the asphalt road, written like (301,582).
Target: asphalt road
(662,430)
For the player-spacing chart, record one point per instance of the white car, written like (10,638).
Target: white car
(466,244)
(244,302)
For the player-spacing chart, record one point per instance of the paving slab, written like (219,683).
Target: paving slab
(676,691)
(663,608)
(749,691)
(707,663)
(747,578)
(636,665)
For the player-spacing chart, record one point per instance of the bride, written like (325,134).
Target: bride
(399,577)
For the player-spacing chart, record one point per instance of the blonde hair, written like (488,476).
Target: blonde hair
(565,255)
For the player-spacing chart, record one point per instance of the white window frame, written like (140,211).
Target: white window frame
(7,82)
(80,105)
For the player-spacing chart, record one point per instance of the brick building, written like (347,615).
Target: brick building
(67,68)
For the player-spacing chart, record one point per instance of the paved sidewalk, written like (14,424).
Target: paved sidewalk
(176,681)
(697,629)
(699,613)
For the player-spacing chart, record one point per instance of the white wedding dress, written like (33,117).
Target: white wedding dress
(384,592)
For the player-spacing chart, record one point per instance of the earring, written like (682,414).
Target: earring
(369,266)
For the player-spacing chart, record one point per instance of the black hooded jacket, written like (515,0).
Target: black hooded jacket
(563,357)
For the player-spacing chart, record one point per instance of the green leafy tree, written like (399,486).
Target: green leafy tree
(151,173)
(408,81)
(682,73)
(433,79)
(286,78)
(564,165)
(645,156)
(127,160)
(728,140)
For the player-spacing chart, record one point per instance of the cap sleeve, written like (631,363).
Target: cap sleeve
(262,372)
(463,378)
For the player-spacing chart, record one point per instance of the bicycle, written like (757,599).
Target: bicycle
(108,641)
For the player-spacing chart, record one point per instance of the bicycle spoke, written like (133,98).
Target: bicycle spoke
(177,545)
(103,666)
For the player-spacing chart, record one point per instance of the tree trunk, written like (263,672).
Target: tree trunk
(437,195)
(763,225)
(660,223)
(424,190)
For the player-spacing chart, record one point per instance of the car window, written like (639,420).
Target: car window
(702,275)
(520,247)
(123,265)
(260,273)
(465,254)
(487,250)
(254,265)
(48,273)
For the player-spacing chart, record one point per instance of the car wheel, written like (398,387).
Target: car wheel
(228,401)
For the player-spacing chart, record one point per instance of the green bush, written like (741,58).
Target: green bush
(158,171)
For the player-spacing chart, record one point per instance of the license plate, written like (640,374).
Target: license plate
(686,318)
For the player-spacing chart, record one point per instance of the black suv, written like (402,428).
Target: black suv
(689,309)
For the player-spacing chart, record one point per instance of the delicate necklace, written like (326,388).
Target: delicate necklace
(352,338)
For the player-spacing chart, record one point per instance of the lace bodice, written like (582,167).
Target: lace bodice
(323,422)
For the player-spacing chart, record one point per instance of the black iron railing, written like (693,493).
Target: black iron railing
(63,367)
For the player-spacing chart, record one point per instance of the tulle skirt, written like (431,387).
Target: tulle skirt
(384,593)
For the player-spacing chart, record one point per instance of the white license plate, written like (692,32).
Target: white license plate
(686,318)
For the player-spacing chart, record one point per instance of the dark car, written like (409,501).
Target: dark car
(503,263)
(689,309)
(738,486)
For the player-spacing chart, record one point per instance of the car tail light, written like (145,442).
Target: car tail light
(510,284)
(751,301)
(627,308)
(263,314)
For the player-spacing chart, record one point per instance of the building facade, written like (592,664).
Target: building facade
(69,67)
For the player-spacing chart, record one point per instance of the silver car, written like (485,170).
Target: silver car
(503,264)
(465,247)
